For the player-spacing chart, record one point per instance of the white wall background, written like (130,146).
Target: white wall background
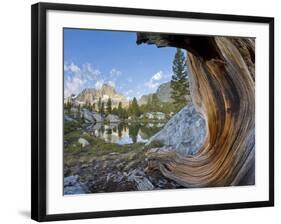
(15,110)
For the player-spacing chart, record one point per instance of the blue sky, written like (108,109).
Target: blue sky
(95,57)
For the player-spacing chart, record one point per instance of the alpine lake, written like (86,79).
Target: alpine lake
(125,132)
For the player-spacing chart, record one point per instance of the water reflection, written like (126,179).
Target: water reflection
(125,133)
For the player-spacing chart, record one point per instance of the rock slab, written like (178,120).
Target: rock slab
(185,131)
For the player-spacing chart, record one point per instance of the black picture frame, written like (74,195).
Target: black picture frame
(39,108)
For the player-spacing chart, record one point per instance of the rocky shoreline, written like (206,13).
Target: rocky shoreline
(114,172)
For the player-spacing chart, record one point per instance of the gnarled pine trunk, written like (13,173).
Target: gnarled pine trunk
(222,76)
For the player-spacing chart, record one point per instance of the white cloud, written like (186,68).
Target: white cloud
(152,85)
(72,68)
(114,73)
(154,81)
(99,84)
(157,76)
(73,86)
(77,78)
(92,74)
(111,83)
(129,94)
(138,94)
(74,80)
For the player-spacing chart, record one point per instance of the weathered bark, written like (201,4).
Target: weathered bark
(222,75)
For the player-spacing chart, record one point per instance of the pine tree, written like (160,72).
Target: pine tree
(129,109)
(99,105)
(102,108)
(155,103)
(135,110)
(109,106)
(115,111)
(68,107)
(179,82)
(149,106)
(79,110)
(120,111)
(93,107)
(82,118)
(87,105)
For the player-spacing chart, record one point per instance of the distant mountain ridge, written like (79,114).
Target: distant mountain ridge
(163,93)
(92,95)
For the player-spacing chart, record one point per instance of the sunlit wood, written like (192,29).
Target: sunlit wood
(222,74)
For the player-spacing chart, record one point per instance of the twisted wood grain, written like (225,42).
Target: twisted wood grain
(222,76)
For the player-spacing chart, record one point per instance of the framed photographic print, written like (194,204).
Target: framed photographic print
(139,111)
